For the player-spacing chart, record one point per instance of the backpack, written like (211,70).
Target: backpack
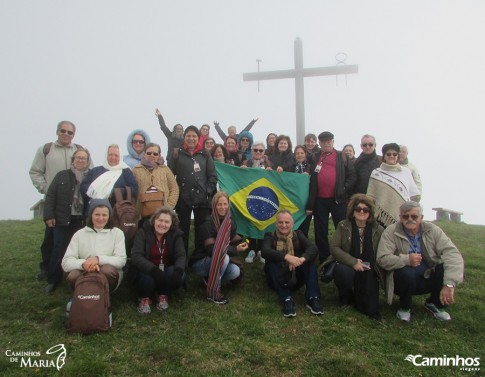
(124,214)
(47,148)
(90,308)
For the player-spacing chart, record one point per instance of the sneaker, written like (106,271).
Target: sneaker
(438,313)
(314,305)
(162,302)
(289,308)
(404,315)
(221,300)
(261,259)
(250,257)
(144,305)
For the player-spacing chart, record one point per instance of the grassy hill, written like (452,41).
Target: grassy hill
(247,337)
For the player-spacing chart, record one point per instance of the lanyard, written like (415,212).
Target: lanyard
(161,247)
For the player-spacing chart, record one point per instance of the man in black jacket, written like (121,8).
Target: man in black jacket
(332,180)
(366,163)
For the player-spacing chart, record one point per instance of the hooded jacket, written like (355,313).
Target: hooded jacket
(132,158)
(248,153)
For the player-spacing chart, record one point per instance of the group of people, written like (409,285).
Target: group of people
(380,238)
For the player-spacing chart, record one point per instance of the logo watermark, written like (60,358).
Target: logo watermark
(466,364)
(35,359)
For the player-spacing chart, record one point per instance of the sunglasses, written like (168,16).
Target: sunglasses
(244,139)
(391,154)
(368,145)
(63,131)
(362,209)
(258,150)
(152,153)
(138,141)
(407,216)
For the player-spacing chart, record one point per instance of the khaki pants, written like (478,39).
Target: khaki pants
(107,270)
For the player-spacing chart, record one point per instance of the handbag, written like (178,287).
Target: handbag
(150,202)
(326,269)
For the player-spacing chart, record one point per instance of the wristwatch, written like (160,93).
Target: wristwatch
(450,285)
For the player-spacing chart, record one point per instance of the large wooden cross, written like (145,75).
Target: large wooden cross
(298,74)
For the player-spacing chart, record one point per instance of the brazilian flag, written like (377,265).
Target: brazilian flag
(256,195)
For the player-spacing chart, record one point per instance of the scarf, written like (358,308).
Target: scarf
(366,253)
(151,165)
(388,192)
(219,252)
(102,186)
(196,149)
(301,167)
(284,243)
(77,199)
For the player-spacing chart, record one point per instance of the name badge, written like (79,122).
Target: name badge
(318,168)
(161,266)
(196,167)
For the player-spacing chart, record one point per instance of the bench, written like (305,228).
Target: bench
(444,214)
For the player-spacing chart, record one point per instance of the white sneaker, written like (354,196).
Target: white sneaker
(404,315)
(261,259)
(440,314)
(250,257)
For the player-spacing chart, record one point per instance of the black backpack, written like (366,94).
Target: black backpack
(91,307)
(124,214)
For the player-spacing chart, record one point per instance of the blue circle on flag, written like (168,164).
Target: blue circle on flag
(262,203)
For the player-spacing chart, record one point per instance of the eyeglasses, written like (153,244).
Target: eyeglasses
(81,158)
(244,139)
(152,153)
(407,216)
(368,145)
(138,141)
(63,131)
(362,209)
(393,154)
(258,150)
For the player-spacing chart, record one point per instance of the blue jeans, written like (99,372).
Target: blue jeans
(407,283)
(229,271)
(305,274)
(323,209)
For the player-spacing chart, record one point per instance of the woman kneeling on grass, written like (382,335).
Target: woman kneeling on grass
(218,240)
(96,247)
(158,257)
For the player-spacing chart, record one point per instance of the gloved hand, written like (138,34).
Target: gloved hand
(177,278)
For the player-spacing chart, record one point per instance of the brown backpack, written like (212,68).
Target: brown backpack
(124,214)
(91,307)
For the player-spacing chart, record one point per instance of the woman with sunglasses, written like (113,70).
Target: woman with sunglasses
(156,182)
(259,159)
(390,185)
(245,142)
(354,246)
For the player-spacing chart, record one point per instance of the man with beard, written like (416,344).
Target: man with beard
(419,258)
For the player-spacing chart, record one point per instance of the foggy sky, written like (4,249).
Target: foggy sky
(106,65)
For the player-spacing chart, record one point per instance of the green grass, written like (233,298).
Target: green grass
(247,337)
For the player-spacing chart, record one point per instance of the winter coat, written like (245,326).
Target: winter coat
(302,247)
(195,188)
(132,158)
(437,248)
(140,252)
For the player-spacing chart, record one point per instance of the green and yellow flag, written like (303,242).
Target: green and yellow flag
(256,195)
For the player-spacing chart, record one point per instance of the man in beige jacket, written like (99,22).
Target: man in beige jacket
(419,258)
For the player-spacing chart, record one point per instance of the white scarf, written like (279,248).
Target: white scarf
(102,186)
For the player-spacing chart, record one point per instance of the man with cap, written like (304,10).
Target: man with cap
(332,180)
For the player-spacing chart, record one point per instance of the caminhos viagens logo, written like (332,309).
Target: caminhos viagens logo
(468,364)
(88,297)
